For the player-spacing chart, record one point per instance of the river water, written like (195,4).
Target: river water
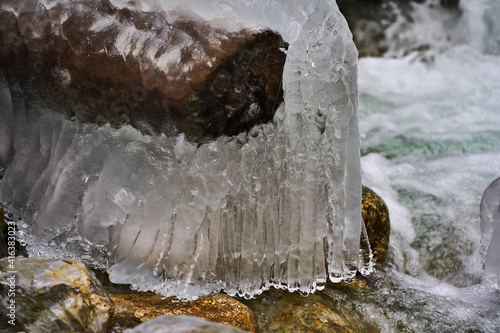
(430,143)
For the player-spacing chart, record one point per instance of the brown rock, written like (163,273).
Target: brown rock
(134,308)
(376,217)
(282,311)
(309,315)
(103,64)
(53,296)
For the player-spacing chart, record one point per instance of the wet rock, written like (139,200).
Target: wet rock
(281,311)
(182,324)
(134,308)
(160,73)
(52,296)
(309,314)
(378,227)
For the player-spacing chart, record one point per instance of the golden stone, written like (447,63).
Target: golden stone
(376,217)
(134,308)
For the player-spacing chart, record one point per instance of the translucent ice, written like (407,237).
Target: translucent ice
(490,232)
(278,206)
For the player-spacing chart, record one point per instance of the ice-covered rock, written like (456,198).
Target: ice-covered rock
(277,206)
(161,73)
(490,232)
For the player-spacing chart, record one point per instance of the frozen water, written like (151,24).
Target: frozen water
(490,232)
(278,206)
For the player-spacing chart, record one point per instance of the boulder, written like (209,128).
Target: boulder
(134,308)
(51,295)
(159,72)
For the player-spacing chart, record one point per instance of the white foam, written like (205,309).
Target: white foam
(429,129)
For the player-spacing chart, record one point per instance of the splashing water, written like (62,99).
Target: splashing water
(430,142)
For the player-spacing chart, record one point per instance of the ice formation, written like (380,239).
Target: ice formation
(490,232)
(278,206)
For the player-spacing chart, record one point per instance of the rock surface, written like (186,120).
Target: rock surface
(378,227)
(159,73)
(281,311)
(182,324)
(134,308)
(53,296)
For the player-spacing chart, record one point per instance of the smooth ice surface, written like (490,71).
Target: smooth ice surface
(490,232)
(278,206)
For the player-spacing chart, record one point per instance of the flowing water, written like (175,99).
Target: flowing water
(430,142)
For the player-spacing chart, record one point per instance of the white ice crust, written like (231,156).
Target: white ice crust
(278,206)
